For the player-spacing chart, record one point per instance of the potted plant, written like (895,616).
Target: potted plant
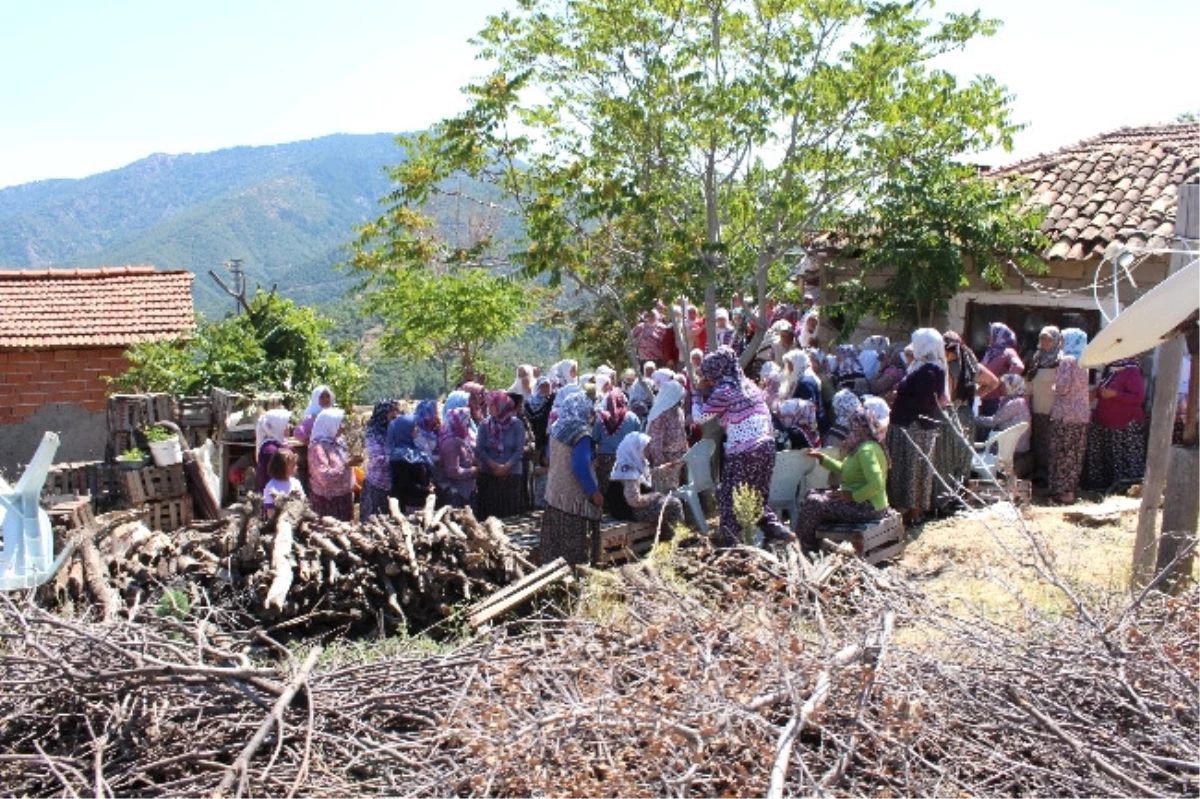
(131,459)
(164,446)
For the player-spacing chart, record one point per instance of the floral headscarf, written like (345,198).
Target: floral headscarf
(615,408)
(802,414)
(574,418)
(425,415)
(848,363)
(458,425)
(928,347)
(631,461)
(1046,359)
(868,423)
(1000,338)
(1013,385)
(845,403)
(1074,342)
(721,366)
(457,399)
(378,424)
(536,400)
(1111,370)
(503,412)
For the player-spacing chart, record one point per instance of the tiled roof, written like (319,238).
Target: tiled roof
(1120,188)
(113,306)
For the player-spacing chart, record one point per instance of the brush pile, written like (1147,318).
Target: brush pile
(697,673)
(297,572)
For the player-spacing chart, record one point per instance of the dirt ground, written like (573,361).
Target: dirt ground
(986,560)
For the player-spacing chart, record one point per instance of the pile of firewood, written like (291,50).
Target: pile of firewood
(296,571)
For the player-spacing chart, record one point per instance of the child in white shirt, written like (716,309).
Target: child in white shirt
(282,468)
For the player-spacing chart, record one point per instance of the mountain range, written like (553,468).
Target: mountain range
(288,211)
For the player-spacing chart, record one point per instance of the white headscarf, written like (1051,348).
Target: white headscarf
(648,366)
(561,372)
(631,459)
(272,426)
(326,427)
(928,347)
(803,336)
(314,404)
(670,394)
(801,366)
(523,387)
(661,377)
(878,415)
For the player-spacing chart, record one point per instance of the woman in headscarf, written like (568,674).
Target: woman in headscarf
(477,400)
(457,449)
(457,399)
(428,426)
(845,403)
(499,447)
(1041,373)
(668,434)
(955,453)
(801,382)
(330,468)
(565,373)
(724,329)
(1013,410)
(624,497)
(737,405)
(378,481)
(270,436)
(574,504)
(1001,359)
(769,379)
(808,330)
(613,424)
(913,431)
(523,385)
(322,398)
(1116,447)
(892,367)
(797,425)
(863,469)
(412,468)
(871,353)
(848,373)
(1069,419)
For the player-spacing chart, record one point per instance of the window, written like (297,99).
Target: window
(1026,321)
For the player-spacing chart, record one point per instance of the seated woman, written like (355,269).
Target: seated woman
(796,426)
(864,470)
(625,499)
(330,468)
(845,403)
(1013,410)
(457,449)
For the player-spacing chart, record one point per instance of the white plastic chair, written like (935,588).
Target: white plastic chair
(791,467)
(995,455)
(699,469)
(818,476)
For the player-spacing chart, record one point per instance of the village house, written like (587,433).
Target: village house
(62,331)
(1111,192)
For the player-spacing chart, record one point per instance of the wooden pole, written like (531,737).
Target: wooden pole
(1162,413)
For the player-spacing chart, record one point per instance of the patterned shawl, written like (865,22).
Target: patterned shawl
(615,408)
(1001,338)
(574,417)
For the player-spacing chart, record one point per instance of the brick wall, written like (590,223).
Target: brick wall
(69,375)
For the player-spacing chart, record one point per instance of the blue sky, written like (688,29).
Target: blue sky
(92,86)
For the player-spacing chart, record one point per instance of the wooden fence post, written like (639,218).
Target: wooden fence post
(1162,413)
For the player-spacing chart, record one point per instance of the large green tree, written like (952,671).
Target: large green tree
(932,225)
(664,147)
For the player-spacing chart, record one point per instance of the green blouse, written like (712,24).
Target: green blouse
(864,474)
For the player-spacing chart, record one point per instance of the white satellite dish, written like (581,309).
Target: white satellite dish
(1150,321)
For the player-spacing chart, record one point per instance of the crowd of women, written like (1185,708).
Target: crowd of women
(895,424)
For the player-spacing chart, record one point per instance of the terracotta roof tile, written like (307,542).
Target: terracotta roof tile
(112,306)
(1119,188)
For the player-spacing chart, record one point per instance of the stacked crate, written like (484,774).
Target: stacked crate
(162,495)
(97,481)
(130,414)
(196,420)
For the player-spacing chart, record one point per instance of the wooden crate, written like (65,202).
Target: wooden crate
(69,512)
(195,412)
(168,515)
(155,483)
(621,542)
(874,542)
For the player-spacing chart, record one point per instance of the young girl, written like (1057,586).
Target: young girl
(330,468)
(282,469)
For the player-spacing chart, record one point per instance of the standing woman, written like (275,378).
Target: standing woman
(1069,419)
(499,448)
(625,499)
(476,400)
(428,427)
(574,504)
(378,482)
(613,424)
(916,414)
(668,435)
(1001,359)
(457,448)
(1041,374)
(863,469)
(322,398)
(1116,447)
(892,367)
(737,405)
(270,435)
(330,468)
(955,453)
(412,468)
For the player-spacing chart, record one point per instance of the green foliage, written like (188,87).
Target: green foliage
(174,603)
(659,147)
(157,435)
(133,454)
(932,225)
(747,509)
(275,346)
